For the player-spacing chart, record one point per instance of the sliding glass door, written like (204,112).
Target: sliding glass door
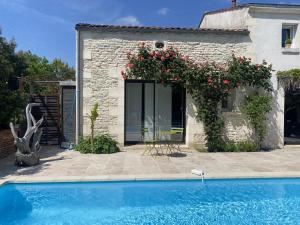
(133,112)
(152,107)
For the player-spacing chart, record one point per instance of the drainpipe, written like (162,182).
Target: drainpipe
(77,84)
(233,3)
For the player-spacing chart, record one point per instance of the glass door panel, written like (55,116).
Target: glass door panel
(133,112)
(178,112)
(149,110)
(163,110)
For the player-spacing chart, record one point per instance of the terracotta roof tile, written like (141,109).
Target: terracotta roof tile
(82,26)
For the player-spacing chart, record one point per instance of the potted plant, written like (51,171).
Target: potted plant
(288,43)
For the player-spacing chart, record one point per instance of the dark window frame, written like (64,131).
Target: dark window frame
(287,32)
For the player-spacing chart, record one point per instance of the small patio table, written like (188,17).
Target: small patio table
(171,144)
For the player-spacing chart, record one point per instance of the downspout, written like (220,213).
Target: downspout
(77,85)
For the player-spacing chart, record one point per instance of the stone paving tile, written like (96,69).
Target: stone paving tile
(64,165)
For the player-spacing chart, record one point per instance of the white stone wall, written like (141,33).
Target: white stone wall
(103,56)
(265,31)
(265,24)
(232,19)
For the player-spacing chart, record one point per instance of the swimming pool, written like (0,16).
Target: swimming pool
(232,201)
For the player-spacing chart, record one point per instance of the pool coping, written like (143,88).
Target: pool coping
(26,179)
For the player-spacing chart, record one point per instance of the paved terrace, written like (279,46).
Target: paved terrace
(60,165)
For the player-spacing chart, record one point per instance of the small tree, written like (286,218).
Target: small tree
(11,102)
(93,116)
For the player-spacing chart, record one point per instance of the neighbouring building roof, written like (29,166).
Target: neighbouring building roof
(86,26)
(266,5)
(249,5)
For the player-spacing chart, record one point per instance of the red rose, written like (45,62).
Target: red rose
(225,81)
(186,58)
(162,58)
(130,65)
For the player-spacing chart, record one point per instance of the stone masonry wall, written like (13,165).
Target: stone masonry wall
(6,143)
(103,56)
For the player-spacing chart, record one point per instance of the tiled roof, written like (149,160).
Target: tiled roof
(82,26)
(267,5)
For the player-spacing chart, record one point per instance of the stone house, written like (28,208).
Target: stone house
(126,106)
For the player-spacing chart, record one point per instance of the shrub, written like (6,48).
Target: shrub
(84,145)
(247,146)
(103,144)
(230,146)
(242,146)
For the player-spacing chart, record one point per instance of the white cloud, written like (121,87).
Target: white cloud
(128,20)
(163,11)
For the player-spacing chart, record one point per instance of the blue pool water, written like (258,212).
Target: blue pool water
(236,201)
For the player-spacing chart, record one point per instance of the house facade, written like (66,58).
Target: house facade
(269,25)
(126,106)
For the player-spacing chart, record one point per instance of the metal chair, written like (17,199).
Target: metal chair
(167,144)
(175,133)
(150,142)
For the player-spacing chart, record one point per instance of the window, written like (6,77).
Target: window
(227,103)
(288,33)
(160,45)
(152,106)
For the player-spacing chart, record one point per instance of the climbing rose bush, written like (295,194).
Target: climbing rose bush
(207,82)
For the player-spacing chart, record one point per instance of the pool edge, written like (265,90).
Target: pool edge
(136,178)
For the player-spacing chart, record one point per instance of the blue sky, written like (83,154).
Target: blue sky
(46,27)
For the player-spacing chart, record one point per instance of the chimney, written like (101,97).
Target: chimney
(233,3)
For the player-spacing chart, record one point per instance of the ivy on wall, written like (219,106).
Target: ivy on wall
(290,79)
(256,107)
(207,82)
